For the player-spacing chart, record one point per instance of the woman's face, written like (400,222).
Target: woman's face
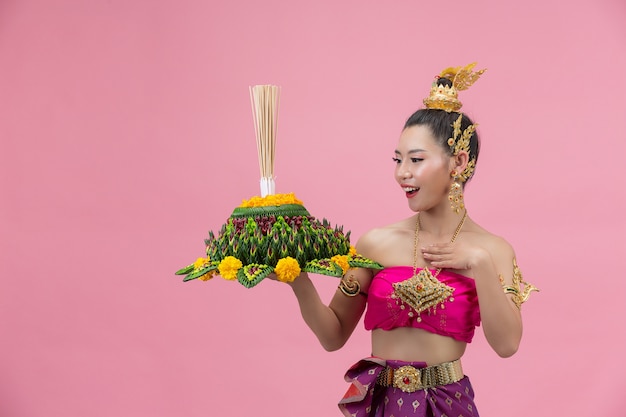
(422,168)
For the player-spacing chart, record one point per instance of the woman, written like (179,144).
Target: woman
(423,307)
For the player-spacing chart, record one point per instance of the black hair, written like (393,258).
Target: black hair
(440,123)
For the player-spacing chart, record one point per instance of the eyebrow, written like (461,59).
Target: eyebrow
(397,152)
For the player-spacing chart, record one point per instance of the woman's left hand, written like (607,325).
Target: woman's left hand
(454,255)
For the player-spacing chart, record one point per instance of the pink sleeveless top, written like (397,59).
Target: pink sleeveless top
(458,319)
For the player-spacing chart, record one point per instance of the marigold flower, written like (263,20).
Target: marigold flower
(271,200)
(342,261)
(201,263)
(287,269)
(352,251)
(229,267)
(207,276)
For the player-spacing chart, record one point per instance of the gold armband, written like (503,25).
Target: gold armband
(349,286)
(520,289)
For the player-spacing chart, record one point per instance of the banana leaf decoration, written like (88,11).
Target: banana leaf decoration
(261,236)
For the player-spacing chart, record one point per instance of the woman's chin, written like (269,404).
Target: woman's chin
(414,206)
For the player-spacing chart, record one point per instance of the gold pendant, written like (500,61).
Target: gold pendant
(422,291)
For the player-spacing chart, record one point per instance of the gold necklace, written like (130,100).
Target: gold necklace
(423,291)
(417,231)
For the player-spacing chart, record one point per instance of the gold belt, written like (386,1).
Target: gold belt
(411,379)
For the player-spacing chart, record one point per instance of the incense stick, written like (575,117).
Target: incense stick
(264,100)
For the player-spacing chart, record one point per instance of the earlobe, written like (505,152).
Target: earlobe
(460,161)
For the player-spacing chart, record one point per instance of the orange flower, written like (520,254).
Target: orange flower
(207,276)
(229,267)
(271,200)
(201,263)
(287,269)
(342,261)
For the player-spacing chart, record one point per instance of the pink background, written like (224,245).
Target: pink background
(126,134)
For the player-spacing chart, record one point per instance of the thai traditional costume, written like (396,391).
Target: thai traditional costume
(383,387)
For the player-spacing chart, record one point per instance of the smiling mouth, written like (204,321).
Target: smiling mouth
(410,191)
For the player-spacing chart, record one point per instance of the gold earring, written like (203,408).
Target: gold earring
(456,193)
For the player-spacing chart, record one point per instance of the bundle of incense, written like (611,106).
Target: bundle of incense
(264,100)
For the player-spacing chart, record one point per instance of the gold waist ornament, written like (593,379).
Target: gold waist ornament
(411,379)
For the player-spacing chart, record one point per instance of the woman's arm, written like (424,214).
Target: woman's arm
(486,262)
(332,324)
(501,318)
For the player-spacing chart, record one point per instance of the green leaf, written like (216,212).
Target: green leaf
(359,261)
(185,270)
(283,210)
(251,275)
(198,273)
(323,267)
(188,278)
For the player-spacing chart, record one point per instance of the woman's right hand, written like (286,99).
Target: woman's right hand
(303,276)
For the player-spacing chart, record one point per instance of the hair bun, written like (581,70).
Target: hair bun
(444,82)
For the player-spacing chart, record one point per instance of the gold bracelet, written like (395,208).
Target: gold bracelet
(349,286)
(520,296)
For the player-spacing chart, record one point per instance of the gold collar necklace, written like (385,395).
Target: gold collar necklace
(423,291)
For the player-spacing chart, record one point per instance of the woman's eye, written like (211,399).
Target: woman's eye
(416,160)
(396,160)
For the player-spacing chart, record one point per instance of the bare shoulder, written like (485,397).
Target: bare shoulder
(504,259)
(499,248)
(381,243)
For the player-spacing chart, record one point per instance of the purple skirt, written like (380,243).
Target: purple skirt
(365,398)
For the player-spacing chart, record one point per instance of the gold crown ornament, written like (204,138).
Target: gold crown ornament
(444,97)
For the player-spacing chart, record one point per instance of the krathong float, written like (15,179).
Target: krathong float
(273,233)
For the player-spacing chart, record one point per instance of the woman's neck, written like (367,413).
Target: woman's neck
(440,222)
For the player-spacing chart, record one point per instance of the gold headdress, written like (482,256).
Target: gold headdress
(461,142)
(445,97)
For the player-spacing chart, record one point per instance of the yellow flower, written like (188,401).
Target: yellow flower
(201,263)
(352,251)
(207,276)
(271,200)
(287,269)
(342,261)
(229,267)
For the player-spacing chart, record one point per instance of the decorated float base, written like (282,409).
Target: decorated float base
(275,234)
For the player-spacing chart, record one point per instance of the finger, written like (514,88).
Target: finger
(437,257)
(436,250)
(438,245)
(444,263)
